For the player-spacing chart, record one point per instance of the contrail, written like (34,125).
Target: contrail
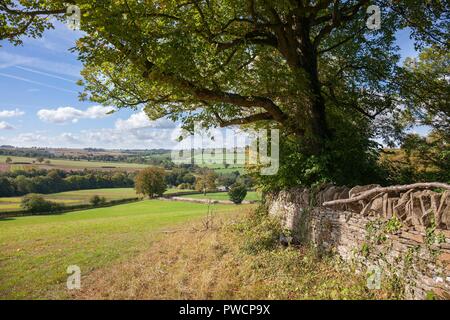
(36,82)
(45,74)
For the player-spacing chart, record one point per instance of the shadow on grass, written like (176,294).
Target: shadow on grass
(7,219)
(82,207)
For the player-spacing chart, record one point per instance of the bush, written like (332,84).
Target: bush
(259,232)
(35,203)
(97,200)
(237,193)
(185,186)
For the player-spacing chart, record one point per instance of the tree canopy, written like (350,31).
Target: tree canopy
(310,68)
(150,182)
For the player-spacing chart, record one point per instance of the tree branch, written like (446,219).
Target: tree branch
(253,37)
(338,44)
(33,13)
(151,72)
(335,18)
(224,97)
(239,121)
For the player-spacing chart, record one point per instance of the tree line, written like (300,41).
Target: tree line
(23,182)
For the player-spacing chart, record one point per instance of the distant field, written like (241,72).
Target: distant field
(35,251)
(251,196)
(72,197)
(24,162)
(70,164)
(227,170)
(213,162)
(69,198)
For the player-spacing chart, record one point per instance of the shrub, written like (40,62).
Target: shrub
(237,193)
(259,231)
(185,186)
(35,203)
(96,200)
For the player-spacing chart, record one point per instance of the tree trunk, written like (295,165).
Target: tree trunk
(319,131)
(318,114)
(296,46)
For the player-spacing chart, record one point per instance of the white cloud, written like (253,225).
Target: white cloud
(6,126)
(31,137)
(69,114)
(140,120)
(135,132)
(11,113)
(70,138)
(108,138)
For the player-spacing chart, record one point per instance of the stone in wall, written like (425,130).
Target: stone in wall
(418,252)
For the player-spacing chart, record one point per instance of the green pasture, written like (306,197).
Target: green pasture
(35,251)
(9,204)
(70,164)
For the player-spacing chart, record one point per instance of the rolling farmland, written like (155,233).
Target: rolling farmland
(72,198)
(35,251)
(24,162)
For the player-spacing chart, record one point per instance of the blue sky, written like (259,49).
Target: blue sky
(40,106)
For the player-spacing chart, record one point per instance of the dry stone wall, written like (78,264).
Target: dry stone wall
(404,232)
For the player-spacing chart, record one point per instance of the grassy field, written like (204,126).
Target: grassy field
(82,164)
(175,190)
(71,198)
(207,161)
(228,261)
(35,251)
(71,164)
(251,196)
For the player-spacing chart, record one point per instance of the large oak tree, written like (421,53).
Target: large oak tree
(307,67)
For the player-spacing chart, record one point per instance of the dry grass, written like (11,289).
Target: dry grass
(195,263)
